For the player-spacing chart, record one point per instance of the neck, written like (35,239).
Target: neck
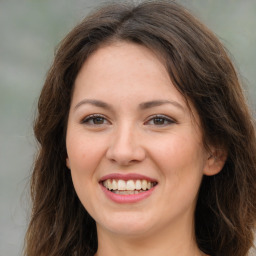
(172,242)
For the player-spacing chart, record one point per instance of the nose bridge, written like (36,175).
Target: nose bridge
(125,146)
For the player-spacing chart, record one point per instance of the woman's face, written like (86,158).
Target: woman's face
(135,152)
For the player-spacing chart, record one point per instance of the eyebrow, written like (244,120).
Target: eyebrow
(97,103)
(156,103)
(142,106)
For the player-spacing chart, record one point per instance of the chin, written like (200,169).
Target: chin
(127,224)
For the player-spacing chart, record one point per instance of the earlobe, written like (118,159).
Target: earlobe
(215,162)
(67,163)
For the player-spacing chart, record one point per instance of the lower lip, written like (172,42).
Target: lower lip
(126,199)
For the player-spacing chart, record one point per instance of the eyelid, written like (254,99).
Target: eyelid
(167,118)
(89,117)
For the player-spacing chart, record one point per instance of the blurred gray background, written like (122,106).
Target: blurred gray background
(29,31)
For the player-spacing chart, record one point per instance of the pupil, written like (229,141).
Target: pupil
(159,120)
(98,120)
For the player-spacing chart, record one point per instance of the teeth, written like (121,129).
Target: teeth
(114,185)
(138,185)
(127,192)
(149,185)
(109,184)
(130,186)
(121,185)
(144,184)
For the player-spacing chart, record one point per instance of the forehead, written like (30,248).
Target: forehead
(122,63)
(118,56)
(127,67)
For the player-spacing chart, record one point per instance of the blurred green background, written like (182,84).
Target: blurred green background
(30,31)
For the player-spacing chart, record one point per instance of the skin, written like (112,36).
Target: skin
(128,138)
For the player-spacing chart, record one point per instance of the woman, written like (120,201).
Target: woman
(146,143)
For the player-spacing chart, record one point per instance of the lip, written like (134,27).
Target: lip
(127,199)
(127,176)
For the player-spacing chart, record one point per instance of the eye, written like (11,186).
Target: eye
(95,119)
(160,120)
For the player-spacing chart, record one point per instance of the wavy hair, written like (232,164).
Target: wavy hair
(201,70)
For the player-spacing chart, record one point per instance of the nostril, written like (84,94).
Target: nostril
(126,156)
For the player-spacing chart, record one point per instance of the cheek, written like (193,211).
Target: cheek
(84,156)
(84,153)
(180,161)
(177,152)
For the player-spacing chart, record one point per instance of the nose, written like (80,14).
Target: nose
(126,147)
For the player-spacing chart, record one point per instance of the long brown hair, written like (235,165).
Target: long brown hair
(201,70)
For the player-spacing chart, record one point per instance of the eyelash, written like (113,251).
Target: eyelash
(165,119)
(92,118)
(162,118)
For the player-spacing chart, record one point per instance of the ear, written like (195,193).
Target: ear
(67,163)
(215,162)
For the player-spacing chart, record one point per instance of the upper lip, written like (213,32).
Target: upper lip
(127,176)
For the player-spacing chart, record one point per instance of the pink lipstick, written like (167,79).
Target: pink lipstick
(127,188)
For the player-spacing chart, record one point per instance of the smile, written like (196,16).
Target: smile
(128,187)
